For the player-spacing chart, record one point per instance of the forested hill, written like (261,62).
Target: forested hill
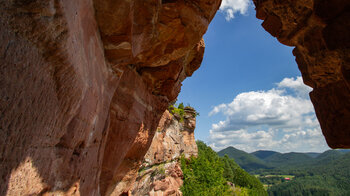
(245,160)
(293,174)
(208,174)
(274,160)
(261,154)
(332,178)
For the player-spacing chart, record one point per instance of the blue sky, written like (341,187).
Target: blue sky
(248,88)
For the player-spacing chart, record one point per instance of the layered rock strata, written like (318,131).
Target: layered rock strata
(161,172)
(83,85)
(319,30)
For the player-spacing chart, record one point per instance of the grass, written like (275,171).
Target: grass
(283,176)
(272,179)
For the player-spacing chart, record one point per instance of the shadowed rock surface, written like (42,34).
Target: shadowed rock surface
(84,83)
(319,30)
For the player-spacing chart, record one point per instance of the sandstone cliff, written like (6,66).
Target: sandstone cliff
(161,172)
(83,85)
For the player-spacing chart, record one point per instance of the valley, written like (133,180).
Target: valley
(326,173)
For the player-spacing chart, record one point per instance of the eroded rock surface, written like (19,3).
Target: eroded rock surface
(319,30)
(161,172)
(83,85)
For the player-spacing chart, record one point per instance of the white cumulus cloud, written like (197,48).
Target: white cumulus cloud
(231,7)
(281,119)
(297,85)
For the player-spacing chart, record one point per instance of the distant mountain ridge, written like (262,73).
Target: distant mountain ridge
(245,160)
(328,175)
(263,154)
(310,173)
(265,159)
(313,154)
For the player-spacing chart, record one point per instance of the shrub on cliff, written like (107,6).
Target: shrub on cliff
(179,110)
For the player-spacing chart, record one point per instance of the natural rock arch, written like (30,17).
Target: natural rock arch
(84,83)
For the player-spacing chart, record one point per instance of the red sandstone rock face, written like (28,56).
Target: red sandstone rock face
(173,139)
(160,180)
(319,30)
(156,45)
(83,85)
(161,173)
(55,90)
(160,39)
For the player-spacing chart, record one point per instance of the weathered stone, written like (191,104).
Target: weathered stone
(174,138)
(55,91)
(83,85)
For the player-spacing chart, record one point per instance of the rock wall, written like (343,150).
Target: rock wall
(161,172)
(319,30)
(83,85)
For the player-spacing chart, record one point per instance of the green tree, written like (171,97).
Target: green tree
(208,174)
(204,175)
(233,173)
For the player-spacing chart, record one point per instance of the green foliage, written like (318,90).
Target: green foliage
(161,169)
(271,180)
(263,154)
(270,162)
(141,169)
(245,160)
(241,191)
(195,114)
(325,173)
(233,173)
(208,175)
(329,178)
(158,169)
(279,160)
(204,175)
(181,106)
(179,110)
